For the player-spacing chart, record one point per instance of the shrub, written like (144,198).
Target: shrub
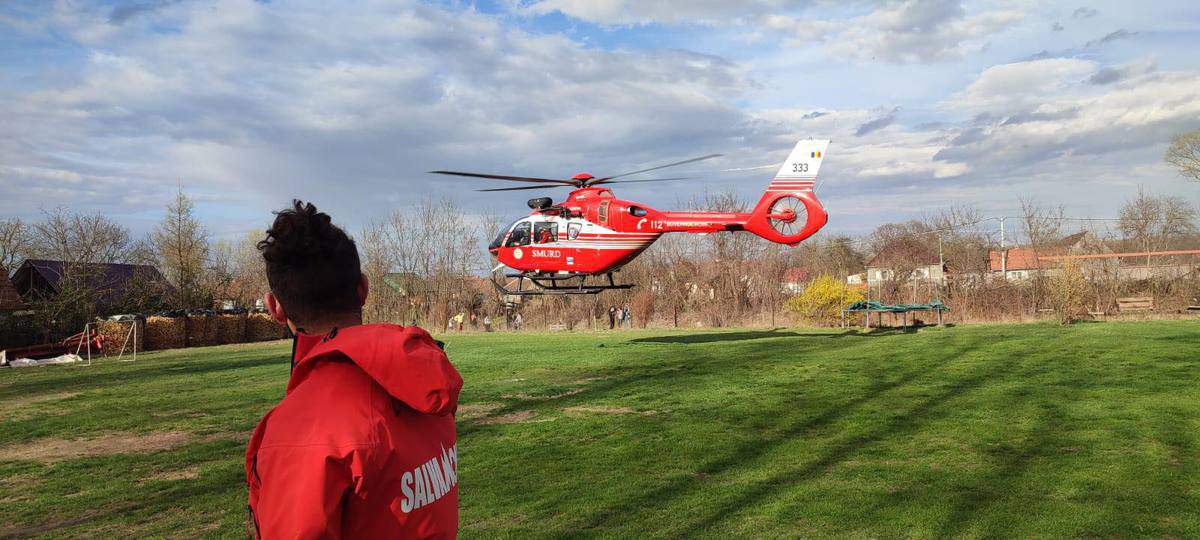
(642,307)
(1068,290)
(823,300)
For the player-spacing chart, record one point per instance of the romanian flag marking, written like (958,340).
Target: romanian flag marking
(816,154)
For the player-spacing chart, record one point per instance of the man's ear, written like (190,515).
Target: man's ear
(364,289)
(274,308)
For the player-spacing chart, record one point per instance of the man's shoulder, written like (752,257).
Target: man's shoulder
(338,404)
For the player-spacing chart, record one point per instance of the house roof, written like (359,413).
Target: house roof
(907,250)
(1026,258)
(112,278)
(9,299)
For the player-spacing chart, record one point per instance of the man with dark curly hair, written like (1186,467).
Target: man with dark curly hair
(363,443)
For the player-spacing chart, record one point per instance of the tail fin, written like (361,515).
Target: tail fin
(789,211)
(802,165)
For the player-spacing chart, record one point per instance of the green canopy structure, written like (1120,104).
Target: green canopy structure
(870,306)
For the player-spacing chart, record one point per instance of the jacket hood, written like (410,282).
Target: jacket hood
(404,360)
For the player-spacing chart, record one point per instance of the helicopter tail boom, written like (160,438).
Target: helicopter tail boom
(789,211)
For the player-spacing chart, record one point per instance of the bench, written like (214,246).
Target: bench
(554,327)
(1135,304)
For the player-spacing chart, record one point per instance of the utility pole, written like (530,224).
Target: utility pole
(1003,251)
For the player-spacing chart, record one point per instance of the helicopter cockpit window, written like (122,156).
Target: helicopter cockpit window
(573,230)
(545,232)
(519,235)
(500,237)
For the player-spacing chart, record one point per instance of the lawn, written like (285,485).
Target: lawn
(969,431)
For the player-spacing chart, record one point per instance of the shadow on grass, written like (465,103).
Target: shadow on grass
(717,337)
(672,372)
(68,378)
(142,502)
(788,476)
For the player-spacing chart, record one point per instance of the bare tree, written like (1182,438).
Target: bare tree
(435,249)
(142,251)
(837,256)
(902,249)
(730,257)
(383,301)
(767,276)
(1042,226)
(250,282)
(220,271)
(15,243)
(80,238)
(182,244)
(1184,154)
(79,241)
(1154,222)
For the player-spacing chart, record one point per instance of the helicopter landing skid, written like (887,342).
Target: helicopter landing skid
(542,284)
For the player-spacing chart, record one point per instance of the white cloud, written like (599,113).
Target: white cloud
(901,32)
(633,12)
(248,105)
(919,31)
(265,102)
(1047,109)
(1019,86)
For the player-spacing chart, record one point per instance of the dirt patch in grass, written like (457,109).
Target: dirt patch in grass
(591,379)
(527,397)
(189,414)
(239,436)
(53,449)
(587,409)
(518,417)
(471,411)
(187,473)
(21,408)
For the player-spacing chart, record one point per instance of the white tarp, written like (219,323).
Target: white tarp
(64,359)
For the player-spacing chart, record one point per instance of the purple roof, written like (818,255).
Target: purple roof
(112,278)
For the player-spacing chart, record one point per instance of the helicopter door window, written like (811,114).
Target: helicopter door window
(604,212)
(545,232)
(519,235)
(573,231)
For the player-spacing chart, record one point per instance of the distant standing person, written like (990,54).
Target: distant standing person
(518,321)
(487,323)
(625,320)
(612,317)
(458,319)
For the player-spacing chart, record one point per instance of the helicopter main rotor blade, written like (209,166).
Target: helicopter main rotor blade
(645,180)
(522,187)
(693,160)
(502,177)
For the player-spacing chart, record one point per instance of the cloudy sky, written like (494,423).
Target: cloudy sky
(112,106)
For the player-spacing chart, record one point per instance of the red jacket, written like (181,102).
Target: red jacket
(363,443)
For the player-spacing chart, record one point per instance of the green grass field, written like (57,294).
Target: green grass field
(980,431)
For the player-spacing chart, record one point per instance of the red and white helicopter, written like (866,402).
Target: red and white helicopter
(557,247)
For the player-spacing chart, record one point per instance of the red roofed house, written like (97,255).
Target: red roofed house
(793,279)
(1021,262)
